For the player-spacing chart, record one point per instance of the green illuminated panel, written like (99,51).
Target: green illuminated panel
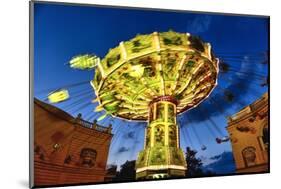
(157,64)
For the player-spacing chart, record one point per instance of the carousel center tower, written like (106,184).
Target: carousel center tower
(154,78)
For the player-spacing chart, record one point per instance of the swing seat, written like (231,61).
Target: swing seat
(203,147)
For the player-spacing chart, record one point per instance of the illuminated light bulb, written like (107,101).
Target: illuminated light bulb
(137,71)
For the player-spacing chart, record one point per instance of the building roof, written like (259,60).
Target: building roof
(248,110)
(54,110)
(67,117)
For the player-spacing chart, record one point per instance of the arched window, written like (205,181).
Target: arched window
(159,134)
(88,157)
(160,115)
(173,135)
(171,113)
(249,156)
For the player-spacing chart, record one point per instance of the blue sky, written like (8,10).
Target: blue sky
(64,31)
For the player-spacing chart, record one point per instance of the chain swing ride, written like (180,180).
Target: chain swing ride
(154,78)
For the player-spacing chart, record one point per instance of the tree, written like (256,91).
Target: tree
(194,165)
(127,172)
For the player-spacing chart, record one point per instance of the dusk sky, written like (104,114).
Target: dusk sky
(64,31)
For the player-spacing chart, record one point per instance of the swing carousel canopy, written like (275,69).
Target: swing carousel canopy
(172,65)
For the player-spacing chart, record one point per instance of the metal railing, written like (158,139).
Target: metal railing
(93,125)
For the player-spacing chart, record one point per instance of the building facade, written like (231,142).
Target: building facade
(248,131)
(68,150)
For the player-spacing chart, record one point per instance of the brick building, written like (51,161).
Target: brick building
(68,150)
(248,130)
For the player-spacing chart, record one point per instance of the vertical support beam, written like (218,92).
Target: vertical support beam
(152,136)
(144,143)
(163,156)
(178,136)
(166,124)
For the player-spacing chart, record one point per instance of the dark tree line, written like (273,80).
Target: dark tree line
(194,165)
(127,171)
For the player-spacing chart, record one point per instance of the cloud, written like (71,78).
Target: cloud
(130,135)
(224,164)
(200,24)
(137,141)
(204,159)
(122,150)
(215,157)
(134,134)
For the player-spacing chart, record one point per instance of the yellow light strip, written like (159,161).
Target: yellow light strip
(179,69)
(188,35)
(201,99)
(96,92)
(166,141)
(178,137)
(100,68)
(160,167)
(207,52)
(156,41)
(123,50)
(187,83)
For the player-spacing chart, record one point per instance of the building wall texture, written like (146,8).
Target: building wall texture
(68,150)
(248,130)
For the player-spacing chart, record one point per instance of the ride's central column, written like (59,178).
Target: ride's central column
(162,156)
